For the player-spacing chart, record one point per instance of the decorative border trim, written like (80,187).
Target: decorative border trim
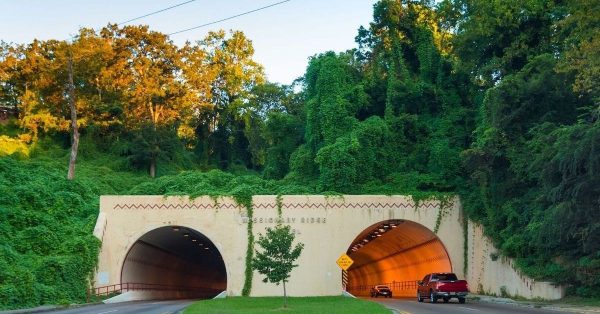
(297,205)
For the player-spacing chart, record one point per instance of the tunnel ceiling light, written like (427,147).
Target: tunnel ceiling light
(194,240)
(200,244)
(376,232)
(206,248)
(175,228)
(186,234)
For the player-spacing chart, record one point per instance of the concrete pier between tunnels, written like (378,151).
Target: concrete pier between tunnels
(174,262)
(396,253)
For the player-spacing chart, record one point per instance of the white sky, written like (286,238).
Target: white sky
(284,36)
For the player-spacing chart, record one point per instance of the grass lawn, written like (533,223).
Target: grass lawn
(304,305)
(572,300)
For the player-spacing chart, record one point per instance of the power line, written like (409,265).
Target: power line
(155,12)
(228,18)
(143,16)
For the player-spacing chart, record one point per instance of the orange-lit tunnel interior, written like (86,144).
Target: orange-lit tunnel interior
(174,262)
(397,253)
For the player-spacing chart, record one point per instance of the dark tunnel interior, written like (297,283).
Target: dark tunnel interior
(177,261)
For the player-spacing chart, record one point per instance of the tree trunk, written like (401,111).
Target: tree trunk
(284,296)
(74,128)
(153,167)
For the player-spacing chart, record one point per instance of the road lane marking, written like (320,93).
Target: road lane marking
(470,309)
(107,312)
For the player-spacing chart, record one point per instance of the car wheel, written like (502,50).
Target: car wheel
(432,297)
(419,298)
(446,300)
(461,300)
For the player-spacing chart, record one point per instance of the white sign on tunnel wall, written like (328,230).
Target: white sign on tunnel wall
(286,220)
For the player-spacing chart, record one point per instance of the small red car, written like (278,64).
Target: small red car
(381,290)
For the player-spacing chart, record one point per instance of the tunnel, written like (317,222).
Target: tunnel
(174,262)
(397,253)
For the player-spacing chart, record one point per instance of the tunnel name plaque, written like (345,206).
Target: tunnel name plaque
(285,220)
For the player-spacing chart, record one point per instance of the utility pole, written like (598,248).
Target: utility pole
(74,128)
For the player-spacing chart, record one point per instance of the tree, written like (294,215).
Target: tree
(74,128)
(232,74)
(146,71)
(276,260)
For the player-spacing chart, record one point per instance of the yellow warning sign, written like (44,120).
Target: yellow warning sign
(344,262)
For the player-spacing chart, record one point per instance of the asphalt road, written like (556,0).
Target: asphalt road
(453,307)
(135,307)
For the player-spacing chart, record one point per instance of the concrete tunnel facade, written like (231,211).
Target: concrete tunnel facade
(390,239)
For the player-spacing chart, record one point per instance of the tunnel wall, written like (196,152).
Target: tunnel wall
(410,265)
(489,273)
(327,225)
(148,264)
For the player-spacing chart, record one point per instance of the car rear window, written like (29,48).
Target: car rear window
(447,277)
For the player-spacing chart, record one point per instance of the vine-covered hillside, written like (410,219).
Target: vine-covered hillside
(496,101)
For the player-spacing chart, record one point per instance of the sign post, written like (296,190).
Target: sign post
(344,262)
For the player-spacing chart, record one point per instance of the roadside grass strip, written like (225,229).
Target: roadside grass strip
(304,305)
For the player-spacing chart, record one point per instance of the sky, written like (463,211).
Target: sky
(284,36)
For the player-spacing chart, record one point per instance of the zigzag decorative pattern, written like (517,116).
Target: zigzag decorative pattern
(176,206)
(357,205)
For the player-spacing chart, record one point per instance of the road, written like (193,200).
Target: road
(413,307)
(135,307)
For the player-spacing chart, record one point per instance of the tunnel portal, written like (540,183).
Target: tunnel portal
(174,262)
(397,253)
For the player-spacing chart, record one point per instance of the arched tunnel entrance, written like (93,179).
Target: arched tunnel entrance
(397,253)
(173,263)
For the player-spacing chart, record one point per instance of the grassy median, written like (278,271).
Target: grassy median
(295,305)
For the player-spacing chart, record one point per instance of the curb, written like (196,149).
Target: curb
(47,308)
(553,307)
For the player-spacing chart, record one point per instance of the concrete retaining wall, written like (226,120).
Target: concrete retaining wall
(489,273)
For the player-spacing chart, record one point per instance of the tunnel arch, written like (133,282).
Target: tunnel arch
(395,252)
(173,262)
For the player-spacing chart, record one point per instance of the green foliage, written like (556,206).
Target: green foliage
(284,133)
(276,258)
(47,251)
(149,145)
(530,165)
